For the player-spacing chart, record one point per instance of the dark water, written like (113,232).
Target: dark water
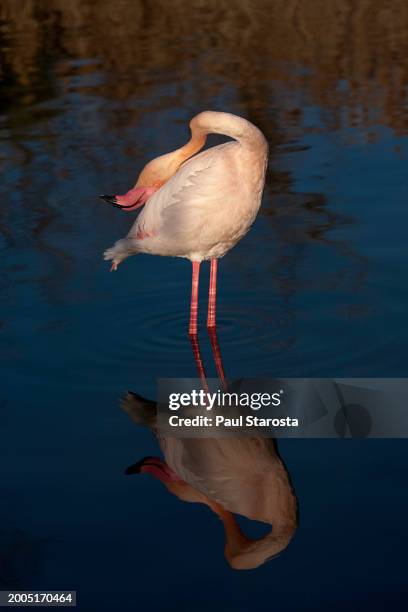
(91,91)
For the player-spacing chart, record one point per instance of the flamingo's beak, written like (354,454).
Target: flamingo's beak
(121,201)
(136,468)
(110,199)
(133,199)
(144,464)
(154,466)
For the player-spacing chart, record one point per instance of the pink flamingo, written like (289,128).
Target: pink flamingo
(197,206)
(234,475)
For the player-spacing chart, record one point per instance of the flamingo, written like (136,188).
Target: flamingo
(197,206)
(231,475)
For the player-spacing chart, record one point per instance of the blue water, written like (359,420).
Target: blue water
(317,288)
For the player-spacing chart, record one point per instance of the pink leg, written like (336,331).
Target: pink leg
(212,295)
(215,347)
(199,362)
(192,330)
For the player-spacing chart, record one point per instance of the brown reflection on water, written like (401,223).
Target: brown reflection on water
(103,68)
(349,57)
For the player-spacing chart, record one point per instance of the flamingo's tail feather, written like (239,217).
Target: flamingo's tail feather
(120,251)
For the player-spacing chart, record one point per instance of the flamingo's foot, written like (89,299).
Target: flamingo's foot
(113,267)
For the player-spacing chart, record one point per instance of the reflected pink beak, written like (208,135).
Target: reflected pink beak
(131,200)
(154,466)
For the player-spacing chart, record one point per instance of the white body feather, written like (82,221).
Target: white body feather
(244,475)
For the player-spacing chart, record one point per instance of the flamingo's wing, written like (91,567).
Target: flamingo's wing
(193,202)
(241,474)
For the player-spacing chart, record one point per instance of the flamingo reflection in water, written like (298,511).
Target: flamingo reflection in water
(232,475)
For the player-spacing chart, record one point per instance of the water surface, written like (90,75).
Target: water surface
(89,93)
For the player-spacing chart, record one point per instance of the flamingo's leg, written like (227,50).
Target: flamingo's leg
(198,361)
(212,296)
(192,329)
(211,322)
(215,347)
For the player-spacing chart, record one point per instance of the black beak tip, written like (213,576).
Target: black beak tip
(111,199)
(134,469)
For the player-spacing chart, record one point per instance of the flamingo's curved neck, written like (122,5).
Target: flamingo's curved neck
(194,145)
(210,122)
(245,553)
(241,552)
(160,170)
(238,128)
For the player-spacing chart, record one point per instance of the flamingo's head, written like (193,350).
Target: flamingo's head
(153,176)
